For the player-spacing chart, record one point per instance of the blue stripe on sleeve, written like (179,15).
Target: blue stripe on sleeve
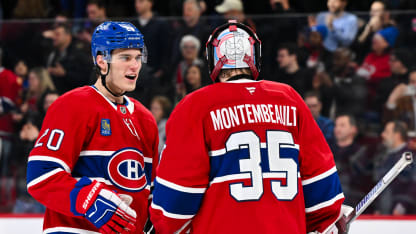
(176,202)
(322,190)
(38,168)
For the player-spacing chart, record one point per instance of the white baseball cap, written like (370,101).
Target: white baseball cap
(228,5)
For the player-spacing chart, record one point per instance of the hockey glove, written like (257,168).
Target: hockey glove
(102,207)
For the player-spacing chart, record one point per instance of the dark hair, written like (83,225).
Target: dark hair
(312,94)
(401,128)
(165,103)
(351,118)
(291,48)
(65,26)
(99,3)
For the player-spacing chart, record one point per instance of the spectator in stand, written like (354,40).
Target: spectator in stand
(379,19)
(376,64)
(160,107)
(342,25)
(190,24)
(313,101)
(234,9)
(39,83)
(350,157)
(193,80)
(26,139)
(96,13)
(288,70)
(349,91)
(9,101)
(318,57)
(401,61)
(190,46)
(401,103)
(69,66)
(398,198)
(151,25)
(21,70)
(275,30)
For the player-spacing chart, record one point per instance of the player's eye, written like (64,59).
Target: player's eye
(125,58)
(138,58)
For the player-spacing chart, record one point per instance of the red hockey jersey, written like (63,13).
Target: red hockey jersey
(85,134)
(245,157)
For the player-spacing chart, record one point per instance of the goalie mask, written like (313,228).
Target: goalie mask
(233,45)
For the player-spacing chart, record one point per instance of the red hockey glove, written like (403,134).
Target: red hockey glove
(102,207)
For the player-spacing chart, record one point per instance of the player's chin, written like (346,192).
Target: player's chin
(130,87)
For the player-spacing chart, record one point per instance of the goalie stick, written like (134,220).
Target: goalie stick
(403,162)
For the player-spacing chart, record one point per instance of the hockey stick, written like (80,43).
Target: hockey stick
(406,159)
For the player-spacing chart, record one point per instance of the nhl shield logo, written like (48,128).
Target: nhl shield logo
(123,109)
(126,170)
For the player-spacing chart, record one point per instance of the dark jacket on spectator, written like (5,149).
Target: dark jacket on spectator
(77,64)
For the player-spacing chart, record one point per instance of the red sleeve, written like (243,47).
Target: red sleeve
(55,153)
(322,189)
(182,174)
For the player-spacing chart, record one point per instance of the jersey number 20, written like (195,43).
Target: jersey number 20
(279,167)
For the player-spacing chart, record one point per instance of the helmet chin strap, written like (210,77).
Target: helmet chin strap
(103,76)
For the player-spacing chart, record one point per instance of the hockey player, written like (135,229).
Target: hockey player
(244,156)
(92,163)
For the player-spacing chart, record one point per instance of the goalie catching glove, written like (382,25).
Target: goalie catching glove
(102,207)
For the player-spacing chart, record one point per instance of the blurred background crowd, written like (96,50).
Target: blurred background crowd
(352,61)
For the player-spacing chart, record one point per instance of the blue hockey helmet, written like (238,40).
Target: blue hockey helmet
(112,35)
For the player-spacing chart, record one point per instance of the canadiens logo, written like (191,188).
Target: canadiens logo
(126,170)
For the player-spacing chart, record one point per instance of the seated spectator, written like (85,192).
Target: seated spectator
(353,167)
(314,103)
(9,103)
(150,25)
(288,70)
(21,70)
(25,142)
(376,64)
(160,107)
(318,57)
(379,19)
(349,90)
(39,83)
(398,198)
(190,47)
(401,103)
(193,80)
(96,14)
(69,66)
(401,61)
(234,9)
(343,26)
(190,24)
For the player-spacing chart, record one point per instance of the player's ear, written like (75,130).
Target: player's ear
(102,64)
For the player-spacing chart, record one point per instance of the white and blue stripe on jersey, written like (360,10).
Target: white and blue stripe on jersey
(329,188)
(42,167)
(187,199)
